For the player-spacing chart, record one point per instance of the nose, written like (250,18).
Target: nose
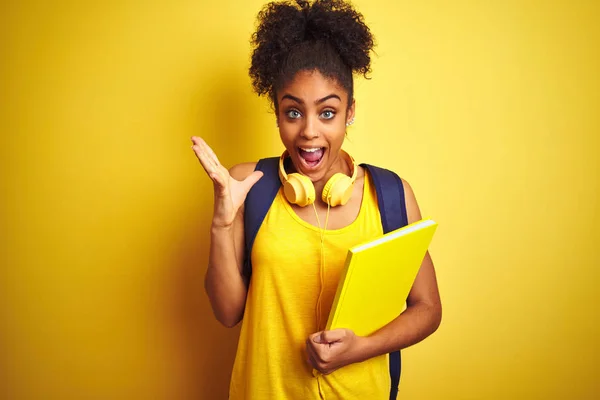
(310,129)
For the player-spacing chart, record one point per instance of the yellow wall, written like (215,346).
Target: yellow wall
(489,109)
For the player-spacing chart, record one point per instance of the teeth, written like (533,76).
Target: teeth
(310,150)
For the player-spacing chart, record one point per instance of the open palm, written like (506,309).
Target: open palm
(229,192)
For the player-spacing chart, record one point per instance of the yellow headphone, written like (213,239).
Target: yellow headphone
(299,189)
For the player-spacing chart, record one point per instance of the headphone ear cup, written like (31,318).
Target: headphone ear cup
(298,189)
(337,190)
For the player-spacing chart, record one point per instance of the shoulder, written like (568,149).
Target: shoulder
(410,200)
(239,172)
(361,173)
(408,190)
(412,208)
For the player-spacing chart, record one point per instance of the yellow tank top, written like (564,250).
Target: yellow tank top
(281,309)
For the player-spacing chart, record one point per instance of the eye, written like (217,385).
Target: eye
(328,114)
(293,114)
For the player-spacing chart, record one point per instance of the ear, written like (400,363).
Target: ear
(350,112)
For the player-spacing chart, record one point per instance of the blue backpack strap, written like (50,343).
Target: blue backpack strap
(390,197)
(257,204)
(392,207)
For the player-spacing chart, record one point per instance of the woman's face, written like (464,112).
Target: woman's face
(312,116)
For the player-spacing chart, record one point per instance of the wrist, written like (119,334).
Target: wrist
(219,228)
(363,349)
(369,347)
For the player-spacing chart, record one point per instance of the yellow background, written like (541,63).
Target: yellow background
(489,109)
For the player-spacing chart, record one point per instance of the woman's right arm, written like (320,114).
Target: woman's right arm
(224,281)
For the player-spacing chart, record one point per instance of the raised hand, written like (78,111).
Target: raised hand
(229,193)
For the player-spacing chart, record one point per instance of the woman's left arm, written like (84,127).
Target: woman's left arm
(330,350)
(423,312)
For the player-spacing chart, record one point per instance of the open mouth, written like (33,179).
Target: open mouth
(311,157)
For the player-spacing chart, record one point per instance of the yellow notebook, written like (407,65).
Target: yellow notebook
(378,277)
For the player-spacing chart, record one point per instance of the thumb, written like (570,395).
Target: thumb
(327,337)
(251,180)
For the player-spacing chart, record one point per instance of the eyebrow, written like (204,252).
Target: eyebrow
(300,101)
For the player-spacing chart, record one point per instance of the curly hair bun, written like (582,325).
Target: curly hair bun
(337,23)
(327,35)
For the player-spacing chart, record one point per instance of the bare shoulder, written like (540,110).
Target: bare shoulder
(241,171)
(360,173)
(412,207)
(408,191)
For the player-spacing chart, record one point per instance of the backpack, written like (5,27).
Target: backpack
(392,207)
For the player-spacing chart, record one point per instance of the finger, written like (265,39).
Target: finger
(329,337)
(313,356)
(212,154)
(316,360)
(204,159)
(213,171)
(308,356)
(319,351)
(201,148)
(207,149)
(251,180)
(315,337)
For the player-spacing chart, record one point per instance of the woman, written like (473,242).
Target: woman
(303,59)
